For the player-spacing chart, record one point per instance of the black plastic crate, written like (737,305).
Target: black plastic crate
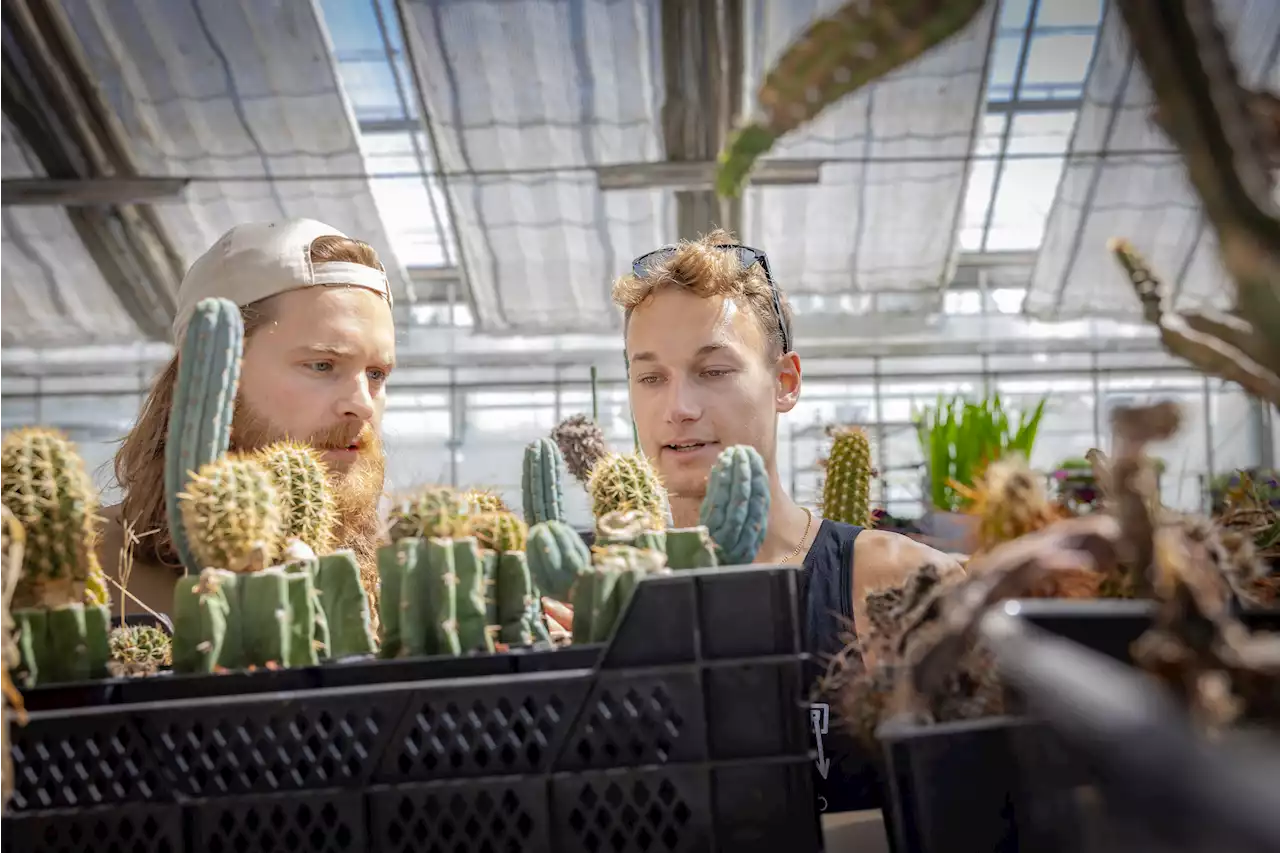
(689,731)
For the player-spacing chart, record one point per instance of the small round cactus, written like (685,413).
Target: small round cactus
(231,513)
(483,500)
(582,444)
(436,512)
(626,481)
(140,649)
(49,492)
(307,506)
(502,532)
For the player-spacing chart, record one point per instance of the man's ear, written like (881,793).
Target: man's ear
(787,382)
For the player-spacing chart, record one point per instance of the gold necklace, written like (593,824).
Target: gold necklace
(809,523)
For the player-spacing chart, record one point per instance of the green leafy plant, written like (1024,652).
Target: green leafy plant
(959,438)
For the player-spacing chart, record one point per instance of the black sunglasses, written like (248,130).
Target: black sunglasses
(748,256)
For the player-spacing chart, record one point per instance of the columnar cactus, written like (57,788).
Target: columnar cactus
(307,507)
(557,556)
(846,491)
(601,595)
(437,511)
(203,406)
(735,510)
(541,484)
(626,481)
(62,625)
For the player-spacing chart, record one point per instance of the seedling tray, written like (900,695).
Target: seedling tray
(687,731)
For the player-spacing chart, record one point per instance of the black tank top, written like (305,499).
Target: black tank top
(851,782)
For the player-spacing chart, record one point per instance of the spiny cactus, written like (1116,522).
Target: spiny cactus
(231,515)
(307,507)
(139,650)
(582,443)
(557,556)
(623,481)
(502,532)
(846,490)
(46,487)
(835,56)
(203,406)
(484,500)
(434,512)
(735,510)
(12,541)
(541,484)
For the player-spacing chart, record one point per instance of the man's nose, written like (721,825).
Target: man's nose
(682,402)
(357,402)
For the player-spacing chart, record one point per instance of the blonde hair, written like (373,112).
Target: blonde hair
(139,463)
(706,271)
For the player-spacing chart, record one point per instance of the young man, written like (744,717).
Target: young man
(319,345)
(711,364)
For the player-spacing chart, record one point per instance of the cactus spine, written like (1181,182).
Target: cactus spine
(139,650)
(307,506)
(735,510)
(203,405)
(437,511)
(627,482)
(846,491)
(541,484)
(231,515)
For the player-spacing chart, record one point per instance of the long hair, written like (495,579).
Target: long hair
(139,463)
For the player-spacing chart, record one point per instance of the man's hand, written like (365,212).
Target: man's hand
(561,615)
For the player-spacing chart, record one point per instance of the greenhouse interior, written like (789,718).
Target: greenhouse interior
(943,229)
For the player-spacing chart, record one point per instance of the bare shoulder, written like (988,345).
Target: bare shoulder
(884,558)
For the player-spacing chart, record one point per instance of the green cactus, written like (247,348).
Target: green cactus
(435,512)
(735,510)
(139,650)
(626,481)
(59,603)
(835,56)
(239,620)
(484,500)
(542,482)
(344,605)
(846,491)
(47,488)
(231,515)
(501,532)
(307,506)
(471,610)
(203,405)
(600,595)
(557,556)
(516,600)
(691,548)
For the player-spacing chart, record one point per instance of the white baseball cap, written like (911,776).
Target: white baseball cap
(260,259)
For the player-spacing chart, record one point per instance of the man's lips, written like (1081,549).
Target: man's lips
(682,447)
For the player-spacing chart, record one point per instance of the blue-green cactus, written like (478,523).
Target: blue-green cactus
(735,510)
(557,556)
(203,404)
(542,483)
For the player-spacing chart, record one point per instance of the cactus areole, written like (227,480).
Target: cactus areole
(203,404)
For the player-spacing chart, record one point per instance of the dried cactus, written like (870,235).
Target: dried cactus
(308,509)
(541,484)
(582,443)
(203,405)
(626,481)
(231,515)
(139,650)
(846,488)
(1209,117)
(835,56)
(735,510)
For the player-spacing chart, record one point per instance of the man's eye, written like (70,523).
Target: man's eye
(320,366)
(378,375)
(716,371)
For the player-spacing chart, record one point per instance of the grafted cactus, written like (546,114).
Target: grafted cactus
(307,507)
(626,481)
(203,405)
(62,624)
(436,511)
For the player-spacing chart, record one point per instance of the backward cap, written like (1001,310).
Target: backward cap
(257,260)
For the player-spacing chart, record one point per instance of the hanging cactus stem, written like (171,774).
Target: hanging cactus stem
(203,405)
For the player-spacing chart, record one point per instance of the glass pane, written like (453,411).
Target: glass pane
(1027,189)
(977,197)
(1004,67)
(1013,14)
(992,131)
(1041,133)
(1056,65)
(1068,13)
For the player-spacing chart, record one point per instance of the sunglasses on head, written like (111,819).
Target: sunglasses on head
(747,256)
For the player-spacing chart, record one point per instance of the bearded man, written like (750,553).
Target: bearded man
(319,344)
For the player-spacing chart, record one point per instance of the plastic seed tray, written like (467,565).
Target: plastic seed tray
(688,731)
